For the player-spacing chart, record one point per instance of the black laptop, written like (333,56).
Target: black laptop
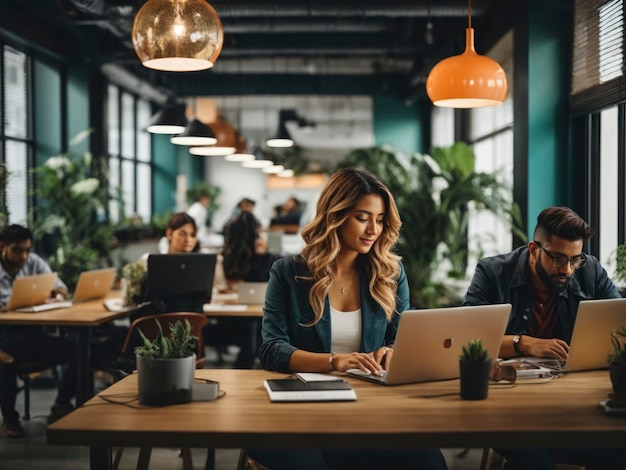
(180,274)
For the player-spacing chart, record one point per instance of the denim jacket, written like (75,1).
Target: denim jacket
(504,279)
(287,312)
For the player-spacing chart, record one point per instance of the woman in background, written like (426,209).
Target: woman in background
(244,258)
(182,237)
(337,305)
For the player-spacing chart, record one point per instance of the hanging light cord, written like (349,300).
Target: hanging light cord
(469,14)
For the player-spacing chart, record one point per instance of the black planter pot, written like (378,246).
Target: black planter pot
(474,379)
(618,378)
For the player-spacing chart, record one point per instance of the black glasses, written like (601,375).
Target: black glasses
(558,261)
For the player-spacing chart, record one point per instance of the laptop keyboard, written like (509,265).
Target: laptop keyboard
(45,307)
(381,377)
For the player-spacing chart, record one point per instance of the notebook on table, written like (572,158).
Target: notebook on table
(429,342)
(309,387)
(94,284)
(251,293)
(32,294)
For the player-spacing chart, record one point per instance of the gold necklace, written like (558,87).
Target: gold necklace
(343,288)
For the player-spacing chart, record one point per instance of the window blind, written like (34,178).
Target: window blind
(15,120)
(598,54)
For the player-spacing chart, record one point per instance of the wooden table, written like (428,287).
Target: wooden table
(559,413)
(80,318)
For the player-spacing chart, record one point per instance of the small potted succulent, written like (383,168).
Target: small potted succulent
(474,366)
(617,360)
(165,366)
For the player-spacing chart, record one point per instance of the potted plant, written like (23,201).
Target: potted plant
(617,360)
(165,365)
(475,366)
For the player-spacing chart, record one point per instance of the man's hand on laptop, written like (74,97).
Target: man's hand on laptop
(58,295)
(540,347)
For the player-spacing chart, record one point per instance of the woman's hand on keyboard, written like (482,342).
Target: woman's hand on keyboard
(356,360)
(383,356)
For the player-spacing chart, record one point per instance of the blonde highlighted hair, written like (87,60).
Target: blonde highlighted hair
(337,200)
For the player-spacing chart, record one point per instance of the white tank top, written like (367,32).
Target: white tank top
(346,331)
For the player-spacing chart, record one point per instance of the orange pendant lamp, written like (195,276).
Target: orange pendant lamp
(177,35)
(468,80)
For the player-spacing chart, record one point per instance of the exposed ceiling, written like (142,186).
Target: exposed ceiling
(271,47)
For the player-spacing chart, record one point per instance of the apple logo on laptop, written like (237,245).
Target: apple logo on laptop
(447,343)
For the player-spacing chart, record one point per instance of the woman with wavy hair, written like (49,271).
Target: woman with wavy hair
(336,306)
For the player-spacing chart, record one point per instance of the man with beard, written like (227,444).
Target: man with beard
(29,343)
(544,282)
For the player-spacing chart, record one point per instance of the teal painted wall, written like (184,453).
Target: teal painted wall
(78,107)
(47,109)
(170,160)
(193,167)
(400,125)
(164,171)
(548,116)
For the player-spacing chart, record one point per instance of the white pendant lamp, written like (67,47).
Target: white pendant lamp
(196,133)
(169,120)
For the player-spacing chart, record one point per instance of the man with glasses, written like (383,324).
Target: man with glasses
(544,282)
(28,343)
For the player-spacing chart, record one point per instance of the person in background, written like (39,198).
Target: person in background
(289,213)
(29,343)
(337,305)
(244,258)
(245,205)
(544,281)
(198,211)
(182,237)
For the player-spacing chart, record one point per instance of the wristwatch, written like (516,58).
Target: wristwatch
(516,339)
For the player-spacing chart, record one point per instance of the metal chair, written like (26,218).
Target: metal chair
(150,329)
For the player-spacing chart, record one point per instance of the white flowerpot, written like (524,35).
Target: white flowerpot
(165,381)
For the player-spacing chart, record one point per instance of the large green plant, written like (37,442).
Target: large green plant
(71,201)
(432,193)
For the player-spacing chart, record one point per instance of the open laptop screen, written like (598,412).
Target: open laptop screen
(180,274)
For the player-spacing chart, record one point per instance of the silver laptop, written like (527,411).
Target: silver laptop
(591,340)
(31,291)
(251,293)
(429,341)
(94,284)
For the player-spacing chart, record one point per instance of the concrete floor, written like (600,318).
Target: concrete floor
(32,452)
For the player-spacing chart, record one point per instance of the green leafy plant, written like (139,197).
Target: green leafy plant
(620,263)
(474,350)
(432,193)
(618,340)
(133,275)
(71,212)
(180,342)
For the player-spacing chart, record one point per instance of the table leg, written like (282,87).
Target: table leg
(84,381)
(210,460)
(100,458)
